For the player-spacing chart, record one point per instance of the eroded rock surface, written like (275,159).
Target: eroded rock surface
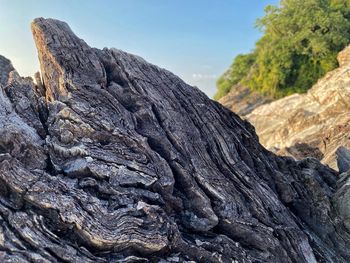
(343,159)
(242,100)
(121,161)
(6,68)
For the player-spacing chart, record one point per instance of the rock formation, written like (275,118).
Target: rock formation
(343,159)
(312,124)
(242,100)
(6,68)
(113,159)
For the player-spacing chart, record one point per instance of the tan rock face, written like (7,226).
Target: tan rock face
(344,57)
(242,100)
(320,118)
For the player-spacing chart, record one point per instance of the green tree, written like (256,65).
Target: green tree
(300,43)
(238,70)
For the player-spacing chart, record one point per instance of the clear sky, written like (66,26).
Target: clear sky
(195,39)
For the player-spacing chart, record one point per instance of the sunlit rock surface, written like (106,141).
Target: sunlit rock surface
(242,100)
(314,124)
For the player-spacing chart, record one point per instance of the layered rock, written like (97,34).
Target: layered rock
(121,161)
(343,159)
(242,100)
(314,124)
(6,68)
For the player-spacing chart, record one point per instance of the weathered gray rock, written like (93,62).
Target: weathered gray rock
(242,100)
(5,69)
(138,166)
(341,202)
(343,159)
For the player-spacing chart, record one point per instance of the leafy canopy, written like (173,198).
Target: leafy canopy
(238,70)
(300,43)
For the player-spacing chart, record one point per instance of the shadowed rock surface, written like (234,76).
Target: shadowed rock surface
(6,68)
(343,159)
(121,161)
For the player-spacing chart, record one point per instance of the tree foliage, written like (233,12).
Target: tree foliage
(300,43)
(238,70)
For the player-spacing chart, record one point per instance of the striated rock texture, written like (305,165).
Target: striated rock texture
(242,100)
(6,68)
(343,159)
(313,124)
(112,159)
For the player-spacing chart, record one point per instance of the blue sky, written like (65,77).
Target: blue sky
(195,39)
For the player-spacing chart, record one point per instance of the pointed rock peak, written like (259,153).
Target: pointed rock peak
(5,69)
(344,57)
(64,56)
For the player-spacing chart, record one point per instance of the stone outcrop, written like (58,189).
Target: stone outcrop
(242,100)
(343,159)
(112,159)
(6,68)
(313,124)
